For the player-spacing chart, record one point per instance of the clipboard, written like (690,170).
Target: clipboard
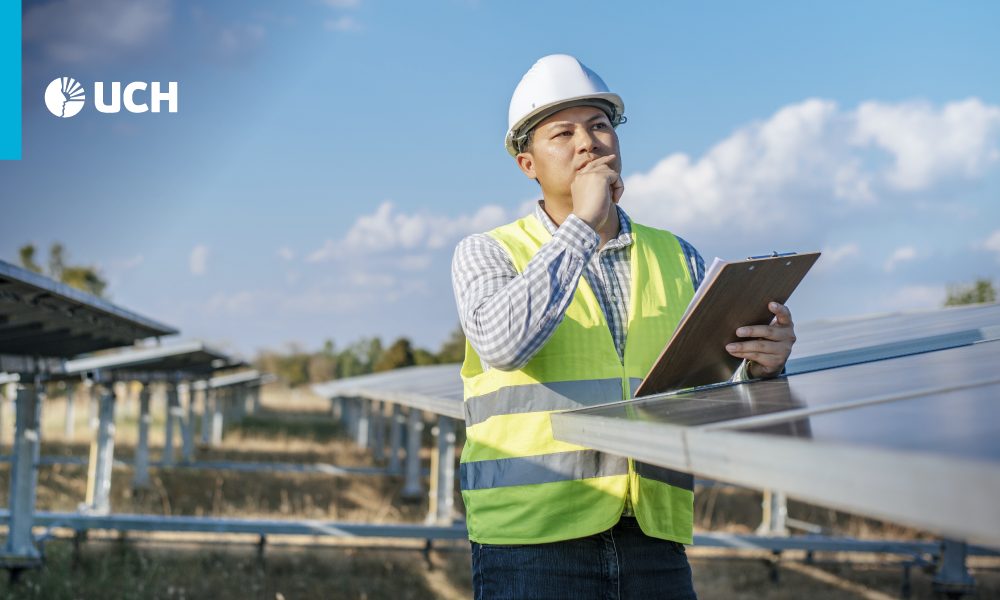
(733,294)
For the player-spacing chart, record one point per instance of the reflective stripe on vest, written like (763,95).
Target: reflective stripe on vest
(544,468)
(519,484)
(557,395)
(561,466)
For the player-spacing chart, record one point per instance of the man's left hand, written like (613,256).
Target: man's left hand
(769,352)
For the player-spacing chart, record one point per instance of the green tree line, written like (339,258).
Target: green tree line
(367,355)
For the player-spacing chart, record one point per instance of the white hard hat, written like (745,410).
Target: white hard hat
(553,83)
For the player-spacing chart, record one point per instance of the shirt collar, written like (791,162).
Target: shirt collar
(624,226)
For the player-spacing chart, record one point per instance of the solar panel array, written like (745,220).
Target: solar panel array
(895,416)
(900,421)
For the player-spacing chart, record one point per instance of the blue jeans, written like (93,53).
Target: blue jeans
(619,563)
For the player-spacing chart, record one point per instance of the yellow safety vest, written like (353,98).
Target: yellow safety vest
(521,486)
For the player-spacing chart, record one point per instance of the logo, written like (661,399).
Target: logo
(64,97)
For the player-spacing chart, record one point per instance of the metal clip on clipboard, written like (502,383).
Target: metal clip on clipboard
(773,254)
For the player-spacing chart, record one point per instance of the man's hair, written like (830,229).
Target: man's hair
(526,146)
(529,141)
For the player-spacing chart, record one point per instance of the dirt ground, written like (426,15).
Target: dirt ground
(295,427)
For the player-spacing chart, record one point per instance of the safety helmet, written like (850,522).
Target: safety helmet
(553,83)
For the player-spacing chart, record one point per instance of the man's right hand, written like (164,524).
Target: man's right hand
(594,188)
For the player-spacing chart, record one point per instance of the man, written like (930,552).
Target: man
(570,307)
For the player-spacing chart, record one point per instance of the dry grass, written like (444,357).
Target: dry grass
(295,427)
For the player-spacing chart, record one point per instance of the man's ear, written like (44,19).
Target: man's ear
(526,162)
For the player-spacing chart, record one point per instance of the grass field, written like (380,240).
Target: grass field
(295,427)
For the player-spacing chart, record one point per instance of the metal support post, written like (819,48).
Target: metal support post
(102,452)
(442,493)
(255,399)
(351,415)
(206,415)
(140,477)
(92,408)
(7,395)
(218,399)
(174,415)
(70,411)
(187,427)
(378,431)
(20,547)
(413,487)
(775,507)
(952,579)
(364,416)
(395,437)
(336,408)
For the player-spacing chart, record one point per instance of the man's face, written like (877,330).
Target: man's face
(564,143)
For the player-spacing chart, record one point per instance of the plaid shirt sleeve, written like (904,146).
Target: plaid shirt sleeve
(695,263)
(508,316)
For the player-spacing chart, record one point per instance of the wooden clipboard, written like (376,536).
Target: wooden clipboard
(737,295)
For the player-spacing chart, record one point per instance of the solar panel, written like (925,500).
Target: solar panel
(833,343)
(40,317)
(189,359)
(433,388)
(810,392)
(914,439)
(963,423)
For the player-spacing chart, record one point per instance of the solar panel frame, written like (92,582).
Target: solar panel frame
(433,388)
(184,360)
(41,317)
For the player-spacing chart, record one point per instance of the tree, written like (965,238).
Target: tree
(453,350)
(399,354)
(982,291)
(83,278)
(422,357)
(27,254)
(348,364)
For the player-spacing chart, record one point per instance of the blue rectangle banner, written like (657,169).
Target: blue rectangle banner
(10,80)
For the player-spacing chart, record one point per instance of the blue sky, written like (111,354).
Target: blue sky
(327,155)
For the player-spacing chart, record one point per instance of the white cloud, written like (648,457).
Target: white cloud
(812,161)
(239,40)
(286,253)
(414,262)
(927,144)
(83,31)
(198,260)
(992,243)
(315,301)
(238,304)
(832,256)
(119,268)
(127,264)
(343,23)
(367,279)
(899,255)
(914,297)
(389,230)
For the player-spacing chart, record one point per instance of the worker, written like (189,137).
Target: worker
(568,307)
